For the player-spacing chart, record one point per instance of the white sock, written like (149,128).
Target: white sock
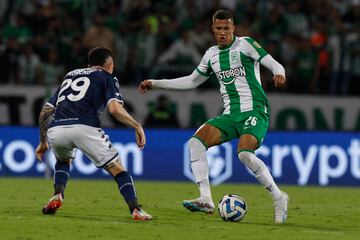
(204,188)
(267,181)
(200,167)
(261,172)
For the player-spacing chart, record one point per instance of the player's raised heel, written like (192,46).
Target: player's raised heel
(199,205)
(281,208)
(141,215)
(54,203)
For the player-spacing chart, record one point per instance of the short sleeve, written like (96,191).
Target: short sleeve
(204,67)
(112,90)
(52,101)
(253,49)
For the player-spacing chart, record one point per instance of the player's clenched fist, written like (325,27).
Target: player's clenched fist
(279,80)
(145,86)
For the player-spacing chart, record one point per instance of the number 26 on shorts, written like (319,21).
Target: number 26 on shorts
(251,121)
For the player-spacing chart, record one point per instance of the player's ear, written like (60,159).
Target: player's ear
(109,66)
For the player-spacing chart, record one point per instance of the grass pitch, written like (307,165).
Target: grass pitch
(93,209)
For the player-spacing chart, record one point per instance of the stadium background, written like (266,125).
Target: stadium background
(314,136)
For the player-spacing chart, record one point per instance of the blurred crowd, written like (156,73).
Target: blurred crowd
(317,41)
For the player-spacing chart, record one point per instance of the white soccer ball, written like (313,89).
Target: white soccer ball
(232,208)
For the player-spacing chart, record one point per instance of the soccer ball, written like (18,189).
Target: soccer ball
(232,208)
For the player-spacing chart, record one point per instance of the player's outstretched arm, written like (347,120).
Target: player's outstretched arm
(182,83)
(145,86)
(119,112)
(276,68)
(44,119)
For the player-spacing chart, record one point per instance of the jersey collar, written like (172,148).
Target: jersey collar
(228,46)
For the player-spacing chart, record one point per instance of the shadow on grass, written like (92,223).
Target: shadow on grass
(103,218)
(95,218)
(295,226)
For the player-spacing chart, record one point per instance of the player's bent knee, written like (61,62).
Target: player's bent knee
(65,161)
(114,167)
(249,142)
(196,148)
(251,161)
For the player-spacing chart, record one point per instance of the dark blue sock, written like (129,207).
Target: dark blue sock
(61,176)
(127,189)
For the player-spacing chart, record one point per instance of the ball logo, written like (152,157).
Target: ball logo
(220,163)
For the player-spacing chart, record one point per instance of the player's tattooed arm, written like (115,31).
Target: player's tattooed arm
(44,118)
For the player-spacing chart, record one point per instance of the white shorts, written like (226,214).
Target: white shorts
(89,140)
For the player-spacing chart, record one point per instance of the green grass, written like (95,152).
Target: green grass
(93,209)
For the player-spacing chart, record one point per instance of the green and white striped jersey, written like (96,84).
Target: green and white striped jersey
(238,72)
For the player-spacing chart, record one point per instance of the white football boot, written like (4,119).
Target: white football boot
(200,204)
(281,208)
(141,215)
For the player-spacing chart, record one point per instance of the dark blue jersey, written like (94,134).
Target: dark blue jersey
(82,97)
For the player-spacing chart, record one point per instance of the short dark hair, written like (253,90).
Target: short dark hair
(222,14)
(98,56)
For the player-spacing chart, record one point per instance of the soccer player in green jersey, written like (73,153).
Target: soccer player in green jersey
(235,62)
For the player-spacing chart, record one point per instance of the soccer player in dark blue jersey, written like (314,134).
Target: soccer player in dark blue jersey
(70,120)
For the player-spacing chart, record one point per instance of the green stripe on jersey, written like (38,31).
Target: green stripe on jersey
(210,69)
(201,73)
(257,47)
(208,72)
(234,97)
(256,89)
